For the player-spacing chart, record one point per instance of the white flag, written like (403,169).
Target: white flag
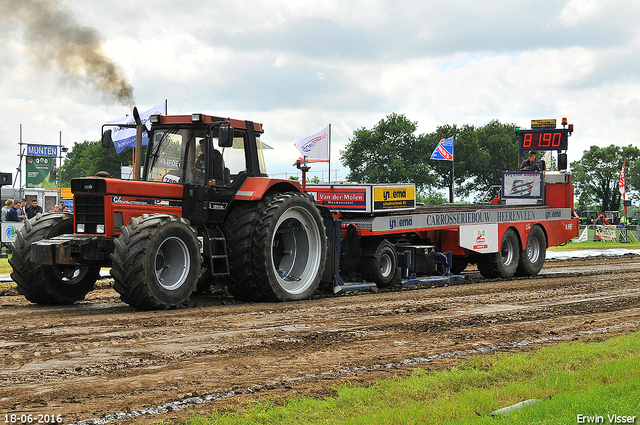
(124,137)
(315,147)
(547,160)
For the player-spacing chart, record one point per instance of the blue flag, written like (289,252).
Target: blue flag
(124,137)
(444,150)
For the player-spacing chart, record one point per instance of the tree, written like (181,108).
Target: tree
(87,158)
(597,173)
(390,152)
(497,152)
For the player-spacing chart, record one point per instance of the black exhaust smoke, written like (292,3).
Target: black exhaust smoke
(54,37)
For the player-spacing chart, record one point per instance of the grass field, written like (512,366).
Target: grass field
(570,379)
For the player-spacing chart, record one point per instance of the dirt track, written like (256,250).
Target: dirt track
(99,357)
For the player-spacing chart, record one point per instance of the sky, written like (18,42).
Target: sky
(69,66)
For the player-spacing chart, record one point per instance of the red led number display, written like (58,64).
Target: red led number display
(544,140)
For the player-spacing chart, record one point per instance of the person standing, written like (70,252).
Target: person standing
(6,208)
(21,210)
(33,209)
(12,215)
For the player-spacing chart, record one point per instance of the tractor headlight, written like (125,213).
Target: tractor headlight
(99,228)
(80,228)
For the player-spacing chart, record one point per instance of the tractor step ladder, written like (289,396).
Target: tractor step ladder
(219,260)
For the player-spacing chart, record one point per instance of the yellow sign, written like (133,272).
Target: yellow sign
(394,197)
(543,123)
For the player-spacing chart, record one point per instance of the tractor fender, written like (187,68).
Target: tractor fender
(254,188)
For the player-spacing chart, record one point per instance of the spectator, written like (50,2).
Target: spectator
(21,210)
(33,209)
(6,208)
(601,220)
(12,215)
(65,208)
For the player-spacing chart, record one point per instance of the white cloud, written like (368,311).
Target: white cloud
(298,65)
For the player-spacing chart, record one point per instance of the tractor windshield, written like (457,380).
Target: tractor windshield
(177,155)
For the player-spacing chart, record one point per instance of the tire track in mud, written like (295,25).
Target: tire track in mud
(99,356)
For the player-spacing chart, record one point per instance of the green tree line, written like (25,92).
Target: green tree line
(392,152)
(87,158)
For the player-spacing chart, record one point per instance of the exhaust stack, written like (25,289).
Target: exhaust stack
(137,159)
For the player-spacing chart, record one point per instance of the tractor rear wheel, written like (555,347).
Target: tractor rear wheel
(49,284)
(289,248)
(238,228)
(156,262)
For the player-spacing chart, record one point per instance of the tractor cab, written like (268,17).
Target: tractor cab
(199,154)
(210,156)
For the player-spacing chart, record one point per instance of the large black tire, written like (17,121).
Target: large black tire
(460,263)
(156,262)
(379,264)
(504,263)
(289,248)
(238,228)
(45,284)
(532,257)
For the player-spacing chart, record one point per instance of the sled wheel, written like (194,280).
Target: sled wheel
(504,263)
(380,266)
(533,256)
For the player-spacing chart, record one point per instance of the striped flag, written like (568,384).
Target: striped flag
(315,147)
(444,150)
(621,185)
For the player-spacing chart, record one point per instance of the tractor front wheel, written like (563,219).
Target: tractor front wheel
(156,262)
(49,284)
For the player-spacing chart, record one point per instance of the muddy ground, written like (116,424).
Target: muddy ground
(101,359)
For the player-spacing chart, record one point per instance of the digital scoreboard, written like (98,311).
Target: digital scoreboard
(544,136)
(544,139)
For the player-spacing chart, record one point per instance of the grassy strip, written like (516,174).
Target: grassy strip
(5,268)
(581,246)
(582,378)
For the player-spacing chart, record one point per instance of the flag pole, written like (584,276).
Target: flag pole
(329,153)
(453,149)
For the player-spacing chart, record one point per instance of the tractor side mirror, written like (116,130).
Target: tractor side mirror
(107,140)
(225,137)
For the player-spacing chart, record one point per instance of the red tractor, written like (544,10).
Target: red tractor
(202,209)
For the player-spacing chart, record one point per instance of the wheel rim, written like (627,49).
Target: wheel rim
(296,250)
(386,266)
(533,250)
(507,252)
(172,263)
(70,275)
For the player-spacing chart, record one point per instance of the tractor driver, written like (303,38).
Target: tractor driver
(218,164)
(531,164)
